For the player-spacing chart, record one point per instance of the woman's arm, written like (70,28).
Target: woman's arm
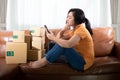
(64,43)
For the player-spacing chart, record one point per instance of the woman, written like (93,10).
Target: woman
(74,42)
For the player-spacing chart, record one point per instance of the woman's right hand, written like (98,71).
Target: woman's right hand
(61,32)
(66,27)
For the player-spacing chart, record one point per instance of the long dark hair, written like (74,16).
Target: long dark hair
(79,17)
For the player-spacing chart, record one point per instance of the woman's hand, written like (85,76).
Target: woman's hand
(61,32)
(50,35)
(66,27)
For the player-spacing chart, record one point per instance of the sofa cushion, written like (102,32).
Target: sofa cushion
(101,65)
(103,38)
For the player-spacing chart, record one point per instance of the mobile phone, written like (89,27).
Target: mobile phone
(46,28)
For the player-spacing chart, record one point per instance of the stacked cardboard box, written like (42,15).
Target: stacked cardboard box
(25,46)
(16,51)
(38,42)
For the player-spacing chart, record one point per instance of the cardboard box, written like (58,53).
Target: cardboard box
(38,42)
(42,32)
(28,40)
(16,53)
(35,54)
(18,36)
(37,31)
(36,38)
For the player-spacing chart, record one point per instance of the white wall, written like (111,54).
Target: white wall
(22,14)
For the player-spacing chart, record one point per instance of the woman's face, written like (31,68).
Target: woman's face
(70,19)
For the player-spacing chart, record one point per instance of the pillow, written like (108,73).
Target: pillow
(103,38)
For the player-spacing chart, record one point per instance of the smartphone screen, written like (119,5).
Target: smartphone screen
(46,28)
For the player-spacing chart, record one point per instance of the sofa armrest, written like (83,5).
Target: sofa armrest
(117,49)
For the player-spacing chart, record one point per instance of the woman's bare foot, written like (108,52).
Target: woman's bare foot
(40,63)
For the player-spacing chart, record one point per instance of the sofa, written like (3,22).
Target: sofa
(106,65)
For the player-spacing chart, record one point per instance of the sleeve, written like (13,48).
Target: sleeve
(81,32)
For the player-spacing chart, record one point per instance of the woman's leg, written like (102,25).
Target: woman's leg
(39,63)
(74,59)
(51,56)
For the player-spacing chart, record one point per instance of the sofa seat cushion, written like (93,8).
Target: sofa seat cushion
(106,64)
(7,71)
(101,65)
